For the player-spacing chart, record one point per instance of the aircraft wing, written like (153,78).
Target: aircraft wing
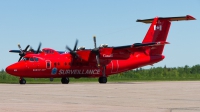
(138,45)
(114,53)
(18,51)
(15,51)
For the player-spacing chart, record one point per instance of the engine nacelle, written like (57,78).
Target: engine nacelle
(104,45)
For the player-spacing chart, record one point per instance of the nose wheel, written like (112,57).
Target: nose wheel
(22,81)
(65,80)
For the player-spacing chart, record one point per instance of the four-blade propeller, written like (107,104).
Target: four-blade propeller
(39,46)
(22,53)
(73,52)
(96,51)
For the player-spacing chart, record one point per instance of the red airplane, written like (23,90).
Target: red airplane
(98,62)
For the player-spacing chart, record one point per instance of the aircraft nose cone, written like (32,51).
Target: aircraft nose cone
(14,69)
(10,69)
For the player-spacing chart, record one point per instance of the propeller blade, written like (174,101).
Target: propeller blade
(15,51)
(38,50)
(96,51)
(70,50)
(20,48)
(75,46)
(98,61)
(26,48)
(94,38)
(73,52)
(20,58)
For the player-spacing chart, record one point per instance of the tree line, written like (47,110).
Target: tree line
(162,73)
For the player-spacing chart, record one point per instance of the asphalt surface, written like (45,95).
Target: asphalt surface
(180,96)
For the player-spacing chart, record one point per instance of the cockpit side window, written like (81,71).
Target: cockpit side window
(26,59)
(31,59)
(36,59)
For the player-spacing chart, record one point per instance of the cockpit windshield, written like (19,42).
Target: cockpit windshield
(48,51)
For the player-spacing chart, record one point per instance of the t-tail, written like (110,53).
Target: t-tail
(158,31)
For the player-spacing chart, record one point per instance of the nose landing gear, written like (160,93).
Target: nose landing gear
(22,81)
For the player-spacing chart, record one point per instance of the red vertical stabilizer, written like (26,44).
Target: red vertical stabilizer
(158,31)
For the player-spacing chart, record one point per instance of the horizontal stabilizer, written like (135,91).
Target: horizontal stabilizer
(187,17)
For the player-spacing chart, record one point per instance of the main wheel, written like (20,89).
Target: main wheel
(102,79)
(65,80)
(22,81)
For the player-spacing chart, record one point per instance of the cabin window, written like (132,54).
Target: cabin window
(55,64)
(58,63)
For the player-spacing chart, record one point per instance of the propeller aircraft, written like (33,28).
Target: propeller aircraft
(99,62)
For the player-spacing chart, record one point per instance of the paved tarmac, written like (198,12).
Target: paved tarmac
(177,96)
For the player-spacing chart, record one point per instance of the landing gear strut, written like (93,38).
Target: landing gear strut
(103,79)
(22,81)
(65,80)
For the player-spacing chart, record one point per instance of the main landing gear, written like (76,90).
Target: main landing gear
(103,79)
(22,81)
(65,80)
